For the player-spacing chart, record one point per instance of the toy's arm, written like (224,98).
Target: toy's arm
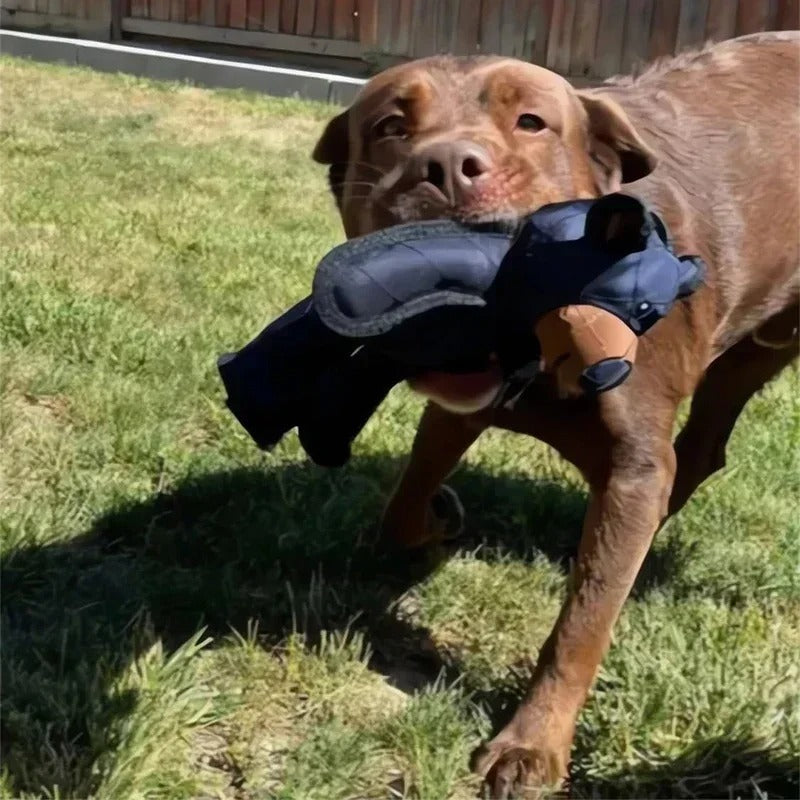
(588,349)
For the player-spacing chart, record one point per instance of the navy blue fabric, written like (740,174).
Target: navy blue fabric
(442,296)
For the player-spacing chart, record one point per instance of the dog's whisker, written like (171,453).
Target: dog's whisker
(337,184)
(373,167)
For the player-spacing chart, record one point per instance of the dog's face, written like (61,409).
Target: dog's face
(475,139)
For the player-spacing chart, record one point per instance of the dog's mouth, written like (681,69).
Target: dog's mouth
(506,225)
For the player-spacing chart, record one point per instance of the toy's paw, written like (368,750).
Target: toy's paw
(512,769)
(406,526)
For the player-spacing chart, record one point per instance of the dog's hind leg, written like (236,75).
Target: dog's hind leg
(730,381)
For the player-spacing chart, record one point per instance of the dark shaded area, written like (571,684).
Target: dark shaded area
(217,551)
(723,769)
(224,548)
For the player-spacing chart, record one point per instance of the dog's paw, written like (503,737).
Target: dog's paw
(512,770)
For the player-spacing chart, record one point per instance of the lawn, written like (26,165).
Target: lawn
(186,617)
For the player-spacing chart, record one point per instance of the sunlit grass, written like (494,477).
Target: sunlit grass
(186,617)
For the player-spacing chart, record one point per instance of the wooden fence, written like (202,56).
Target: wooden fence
(577,38)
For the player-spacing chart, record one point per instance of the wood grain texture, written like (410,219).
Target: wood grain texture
(610,38)
(466,40)
(636,42)
(664,29)
(721,19)
(207,12)
(538,33)
(753,16)
(491,22)
(237,13)
(367,22)
(304,25)
(288,16)
(584,37)
(323,19)
(558,46)
(691,24)
(788,15)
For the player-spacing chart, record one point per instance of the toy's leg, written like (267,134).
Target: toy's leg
(350,393)
(421,509)
(267,380)
(628,500)
(728,384)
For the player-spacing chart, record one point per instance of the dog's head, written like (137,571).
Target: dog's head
(475,139)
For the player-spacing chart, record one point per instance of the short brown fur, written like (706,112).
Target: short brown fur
(711,141)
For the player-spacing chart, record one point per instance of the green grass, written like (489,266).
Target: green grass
(185,617)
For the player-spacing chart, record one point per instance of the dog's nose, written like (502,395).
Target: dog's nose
(453,168)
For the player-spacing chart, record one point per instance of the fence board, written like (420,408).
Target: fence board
(323,19)
(691,24)
(220,14)
(422,38)
(304,25)
(255,15)
(558,47)
(491,21)
(664,29)
(243,38)
(721,19)
(752,16)
(367,26)
(193,11)
(272,15)
(159,9)
(789,15)
(237,13)
(446,18)
(516,34)
(387,28)
(584,37)
(96,9)
(637,34)
(344,26)
(468,25)
(177,10)
(208,12)
(610,37)
(288,15)
(774,14)
(538,33)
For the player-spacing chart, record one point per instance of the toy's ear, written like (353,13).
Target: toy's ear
(620,223)
(619,154)
(333,148)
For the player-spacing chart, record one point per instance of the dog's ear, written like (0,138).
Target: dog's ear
(618,153)
(333,148)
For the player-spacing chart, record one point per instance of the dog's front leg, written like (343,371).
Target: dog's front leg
(421,509)
(627,504)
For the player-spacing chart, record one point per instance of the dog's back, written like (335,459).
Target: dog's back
(725,123)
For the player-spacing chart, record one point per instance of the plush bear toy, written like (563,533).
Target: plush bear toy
(568,292)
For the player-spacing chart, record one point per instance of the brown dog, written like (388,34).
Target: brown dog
(711,140)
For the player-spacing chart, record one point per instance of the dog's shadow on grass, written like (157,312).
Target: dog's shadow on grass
(291,547)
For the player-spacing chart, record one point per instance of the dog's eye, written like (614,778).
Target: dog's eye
(391,127)
(530,122)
